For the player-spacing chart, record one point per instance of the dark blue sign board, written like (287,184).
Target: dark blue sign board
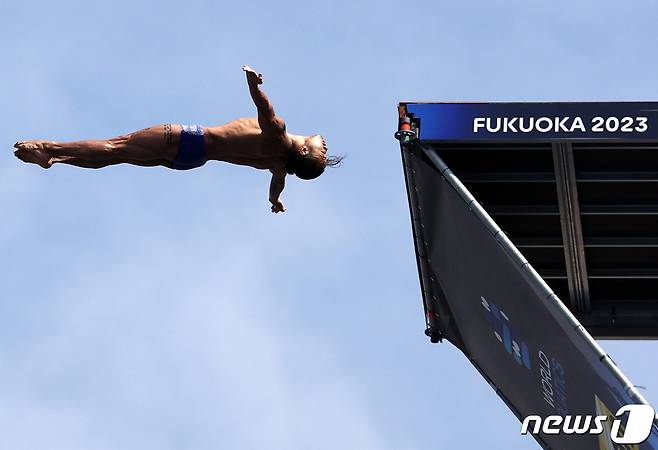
(536,121)
(483,296)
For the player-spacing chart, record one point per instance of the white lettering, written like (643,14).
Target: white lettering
(530,124)
(545,128)
(638,425)
(509,124)
(526,424)
(545,374)
(578,124)
(491,129)
(559,125)
(637,430)
(576,427)
(551,421)
(598,424)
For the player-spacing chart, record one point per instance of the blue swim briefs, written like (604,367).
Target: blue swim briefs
(191,149)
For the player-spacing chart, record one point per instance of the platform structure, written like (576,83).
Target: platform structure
(536,229)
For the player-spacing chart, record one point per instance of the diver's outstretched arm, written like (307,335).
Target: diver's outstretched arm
(267,120)
(276,187)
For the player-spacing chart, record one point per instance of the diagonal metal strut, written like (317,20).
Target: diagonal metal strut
(572,233)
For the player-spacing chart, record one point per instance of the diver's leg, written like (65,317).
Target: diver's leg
(91,154)
(148,147)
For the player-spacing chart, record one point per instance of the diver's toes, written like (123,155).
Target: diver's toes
(29,145)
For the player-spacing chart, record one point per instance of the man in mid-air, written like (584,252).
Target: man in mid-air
(261,142)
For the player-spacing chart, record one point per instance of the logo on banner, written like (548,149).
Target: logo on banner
(506,334)
(551,374)
(610,429)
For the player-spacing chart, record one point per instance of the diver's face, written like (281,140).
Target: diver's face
(316,147)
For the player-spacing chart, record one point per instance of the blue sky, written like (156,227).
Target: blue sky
(153,309)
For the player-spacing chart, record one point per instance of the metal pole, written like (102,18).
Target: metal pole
(572,233)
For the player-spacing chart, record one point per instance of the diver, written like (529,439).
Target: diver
(262,143)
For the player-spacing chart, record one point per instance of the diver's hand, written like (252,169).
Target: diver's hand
(277,206)
(252,75)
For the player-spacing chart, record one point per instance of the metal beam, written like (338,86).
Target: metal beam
(604,274)
(628,320)
(593,242)
(591,210)
(507,177)
(572,233)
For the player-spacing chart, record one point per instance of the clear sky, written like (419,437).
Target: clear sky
(143,308)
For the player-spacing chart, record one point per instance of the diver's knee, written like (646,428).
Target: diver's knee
(117,143)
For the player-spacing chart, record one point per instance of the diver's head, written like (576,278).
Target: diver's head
(309,158)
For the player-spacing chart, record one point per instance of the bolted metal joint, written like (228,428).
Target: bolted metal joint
(405,131)
(435,335)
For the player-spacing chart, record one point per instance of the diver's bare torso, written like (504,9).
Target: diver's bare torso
(241,141)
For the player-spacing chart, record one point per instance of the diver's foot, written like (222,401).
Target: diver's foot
(34,152)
